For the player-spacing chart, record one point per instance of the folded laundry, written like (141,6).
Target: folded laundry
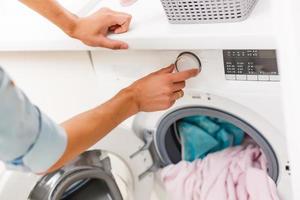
(236,173)
(201,135)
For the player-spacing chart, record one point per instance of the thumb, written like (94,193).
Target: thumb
(166,70)
(111,44)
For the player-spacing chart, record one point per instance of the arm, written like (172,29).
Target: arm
(89,127)
(91,30)
(157,91)
(30,140)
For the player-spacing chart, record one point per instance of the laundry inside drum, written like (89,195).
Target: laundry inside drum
(201,135)
(196,136)
(208,131)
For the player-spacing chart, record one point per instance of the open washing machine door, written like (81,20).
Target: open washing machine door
(158,131)
(104,172)
(90,176)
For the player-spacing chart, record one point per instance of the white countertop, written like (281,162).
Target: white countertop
(22,29)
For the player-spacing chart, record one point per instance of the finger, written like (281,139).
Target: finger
(184,75)
(113,27)
(166,70)
(172,103)
(177,95)
(111,44)
(122,28)
(178,86)
(123,22)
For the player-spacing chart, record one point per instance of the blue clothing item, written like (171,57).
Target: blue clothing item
(201,135)
(29,140)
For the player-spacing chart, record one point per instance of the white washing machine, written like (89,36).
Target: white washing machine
(240,86)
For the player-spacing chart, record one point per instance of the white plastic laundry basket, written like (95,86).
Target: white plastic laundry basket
(207,11)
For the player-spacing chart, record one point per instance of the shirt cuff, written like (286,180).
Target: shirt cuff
(48,148)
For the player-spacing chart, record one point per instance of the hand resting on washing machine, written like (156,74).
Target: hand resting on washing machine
(92,30)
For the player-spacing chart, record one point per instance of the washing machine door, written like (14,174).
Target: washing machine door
(88,177)
(158,131)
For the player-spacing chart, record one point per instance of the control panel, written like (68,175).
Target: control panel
(251,65)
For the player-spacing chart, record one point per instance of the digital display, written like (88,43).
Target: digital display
(250,62)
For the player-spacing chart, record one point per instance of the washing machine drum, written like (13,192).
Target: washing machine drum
(88,177)
(166,147)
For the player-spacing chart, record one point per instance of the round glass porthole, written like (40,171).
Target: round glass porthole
(168,143)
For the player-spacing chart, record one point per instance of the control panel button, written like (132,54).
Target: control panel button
(252,77)
(230,77)
(263,77)
(241,77)
(274,78)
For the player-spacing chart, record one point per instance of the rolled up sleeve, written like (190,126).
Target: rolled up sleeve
(29,140)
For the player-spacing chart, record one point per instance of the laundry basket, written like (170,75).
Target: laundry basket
(207,11)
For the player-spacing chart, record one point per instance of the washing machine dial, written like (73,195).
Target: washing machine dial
(187,60)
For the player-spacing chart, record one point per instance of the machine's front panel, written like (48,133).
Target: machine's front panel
(250,65)
(131,65)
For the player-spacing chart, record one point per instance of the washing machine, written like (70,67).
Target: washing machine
(241,86)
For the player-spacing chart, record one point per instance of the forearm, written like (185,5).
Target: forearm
(87,128)
(54,12)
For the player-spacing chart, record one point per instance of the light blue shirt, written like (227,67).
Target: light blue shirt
(29,140)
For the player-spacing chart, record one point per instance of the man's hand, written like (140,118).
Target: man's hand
(92,30)
(161,89)
(154,92)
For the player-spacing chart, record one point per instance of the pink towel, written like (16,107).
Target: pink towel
(237,173)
